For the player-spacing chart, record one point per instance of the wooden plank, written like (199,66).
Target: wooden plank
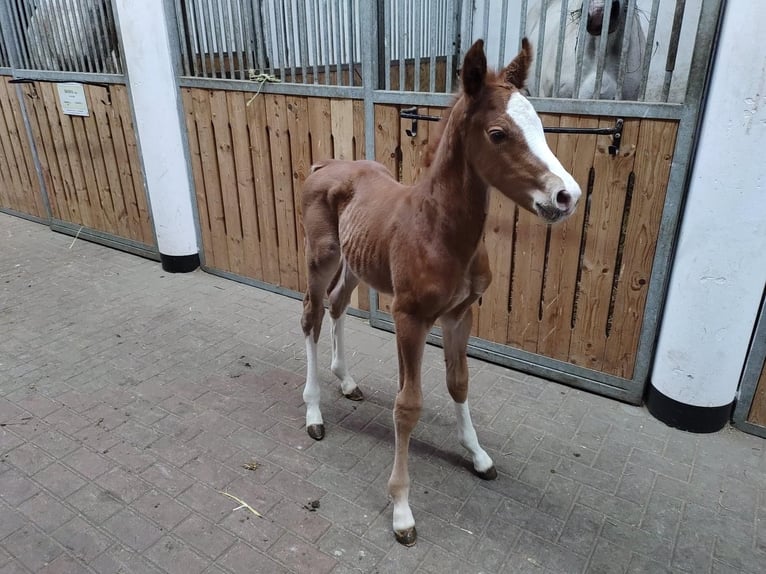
(300,156)
(100,104)
(121,102)
(32,194)
(492,318)
(9,194)
(387,131)
(576,155)
(38,121)
(89,213)
(757,413)
(227,177)
(279,141)
(69,190)
(601,239)
(320,128)
(528,268)
(199,178)
(264,194)
(413,149)
(209,159)
(245,186)
(81,150)
(21,192)
(129,186)
(97,152)
(654,156)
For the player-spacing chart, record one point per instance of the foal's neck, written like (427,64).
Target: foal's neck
(457,189)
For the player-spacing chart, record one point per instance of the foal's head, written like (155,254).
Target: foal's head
(504,141)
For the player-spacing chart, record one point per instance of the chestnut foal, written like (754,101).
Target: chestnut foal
(423,244)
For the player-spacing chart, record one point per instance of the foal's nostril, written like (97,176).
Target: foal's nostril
(563,199)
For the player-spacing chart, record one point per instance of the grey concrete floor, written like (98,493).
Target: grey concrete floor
(131,399)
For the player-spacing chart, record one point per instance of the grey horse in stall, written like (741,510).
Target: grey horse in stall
(67,35)
(619,26)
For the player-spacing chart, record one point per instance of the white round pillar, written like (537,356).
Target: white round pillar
(719,271)
(156,103)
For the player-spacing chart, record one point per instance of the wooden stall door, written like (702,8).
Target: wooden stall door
(19,184)
(576,291)
(90,165)
(250,155)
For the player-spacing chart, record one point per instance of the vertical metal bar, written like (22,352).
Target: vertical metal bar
(630,15)
(114,38)
(92,31)
(77,44)
(9,35)
(648,49)
(368,22)
(434,25)
(401,32)
(540,47)
(220,48)
(42,45)
(560,48)
(19,56)
(523,21)
(248,29)
(581,33)
(103,38)
(287,15)
(303,40)
(326,43)
(317,41)
(453,41)
(485,24)
(200,30)
(385,8)
(238,46)
(675,34)
(185,30)
(417,32)
(86,37)
(336,34)
(260,37)
(350,39)
(57,46)
(503,33)
(32,45)
(227,34)
(603,41)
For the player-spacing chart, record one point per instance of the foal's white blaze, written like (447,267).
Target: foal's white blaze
(466,435)
(311,390)
(525,117)
(347,383)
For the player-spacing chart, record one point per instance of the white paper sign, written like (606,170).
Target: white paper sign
(72,97)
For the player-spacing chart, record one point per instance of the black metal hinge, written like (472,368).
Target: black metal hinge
(616,131)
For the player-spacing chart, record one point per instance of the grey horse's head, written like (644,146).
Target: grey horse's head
(596,10)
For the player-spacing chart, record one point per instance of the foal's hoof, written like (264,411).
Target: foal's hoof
(407,537)
(489,474)
(355,395)
(316,431)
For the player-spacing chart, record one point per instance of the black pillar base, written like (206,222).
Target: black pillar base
(179,263)
(687,417)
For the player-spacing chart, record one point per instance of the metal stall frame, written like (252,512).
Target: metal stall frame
(754,365)
(688,114)
(25,75)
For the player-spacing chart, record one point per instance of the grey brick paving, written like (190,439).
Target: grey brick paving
(130,399)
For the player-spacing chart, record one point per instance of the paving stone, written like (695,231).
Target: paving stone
(131,439)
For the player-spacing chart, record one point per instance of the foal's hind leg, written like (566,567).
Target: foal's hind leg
(340,295)
(322,257)
(456,328)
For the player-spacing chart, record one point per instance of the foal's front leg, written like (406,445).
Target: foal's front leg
(456,329)
(411,335)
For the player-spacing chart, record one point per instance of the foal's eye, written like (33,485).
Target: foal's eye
(497,136)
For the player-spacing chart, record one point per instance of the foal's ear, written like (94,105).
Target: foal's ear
(515,73)
(474,69)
